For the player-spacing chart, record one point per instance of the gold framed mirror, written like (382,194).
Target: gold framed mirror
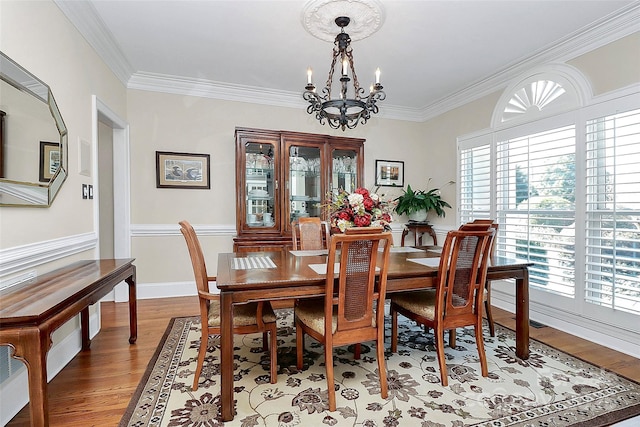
(33,139)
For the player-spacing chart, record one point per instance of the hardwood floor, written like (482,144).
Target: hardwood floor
(94,389)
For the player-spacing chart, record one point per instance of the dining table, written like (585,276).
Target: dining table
(284,275)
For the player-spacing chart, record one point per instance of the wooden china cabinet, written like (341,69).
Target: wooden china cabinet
(282,176)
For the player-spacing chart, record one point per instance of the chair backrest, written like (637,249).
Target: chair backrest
(309,233)
(197,257)
(491,223)
(462,275)
(355,289)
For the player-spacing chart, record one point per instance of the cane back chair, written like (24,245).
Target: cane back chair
(309,233)
(457,299)
(247,318)
(352,310)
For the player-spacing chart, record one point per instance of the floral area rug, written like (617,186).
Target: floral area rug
(550,389)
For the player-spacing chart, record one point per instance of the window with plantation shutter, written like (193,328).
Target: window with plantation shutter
(475,182)
(559,170)
(535,197)
(612,220)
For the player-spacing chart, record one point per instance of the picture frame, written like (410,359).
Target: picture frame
(389,173)
(49,160)
(182,170)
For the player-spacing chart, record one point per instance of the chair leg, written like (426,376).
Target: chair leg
(204,341)
(274,354)
(439,333)
(394,330)
(481,353)
(452,338)
(487,310)
(299,346)
(265,341)
(331,388)
(384,388)
(357,349)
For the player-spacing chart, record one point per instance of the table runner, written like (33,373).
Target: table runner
(249,263)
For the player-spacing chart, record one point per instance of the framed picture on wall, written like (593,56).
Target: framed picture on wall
(390,173)
(182,170)
(49,160)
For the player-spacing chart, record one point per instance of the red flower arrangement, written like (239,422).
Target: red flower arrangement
(359,209)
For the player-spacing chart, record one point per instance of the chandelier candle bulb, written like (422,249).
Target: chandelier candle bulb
(377,75)
(345,66)
(309,73)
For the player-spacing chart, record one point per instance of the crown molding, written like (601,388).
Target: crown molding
(85,18)
(216,90)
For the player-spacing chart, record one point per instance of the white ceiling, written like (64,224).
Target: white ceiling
(429,51)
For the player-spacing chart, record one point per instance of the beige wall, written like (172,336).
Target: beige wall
(166,122)
(39,37)
(613,66)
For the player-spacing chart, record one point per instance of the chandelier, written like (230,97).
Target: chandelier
(343,112)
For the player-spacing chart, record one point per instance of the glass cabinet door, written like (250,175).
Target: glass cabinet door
(344,170)
(259,185)
(304,182)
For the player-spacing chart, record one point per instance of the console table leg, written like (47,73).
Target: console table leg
(33,349)
(133,308)
(84,327)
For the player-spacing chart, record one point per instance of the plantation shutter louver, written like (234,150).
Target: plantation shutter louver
(612,226)
(475,183)
(535,191)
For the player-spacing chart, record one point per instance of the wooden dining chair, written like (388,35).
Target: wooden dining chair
(487,287)
(247,318)
(457,299)
(352,310)
(309,233)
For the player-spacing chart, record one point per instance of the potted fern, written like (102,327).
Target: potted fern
(417,204)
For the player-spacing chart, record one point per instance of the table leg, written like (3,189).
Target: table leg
(522,316)
(84,328)
(432,233)
(404,234)
(32,348)
(133,308)
(226,355)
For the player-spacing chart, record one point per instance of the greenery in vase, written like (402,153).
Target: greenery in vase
(429,200)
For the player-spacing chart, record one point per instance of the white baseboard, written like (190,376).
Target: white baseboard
(156,290)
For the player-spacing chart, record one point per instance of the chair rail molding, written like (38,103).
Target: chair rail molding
(157,230)
(20,258)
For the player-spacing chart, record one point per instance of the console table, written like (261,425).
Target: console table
(30,312)
(418,229)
